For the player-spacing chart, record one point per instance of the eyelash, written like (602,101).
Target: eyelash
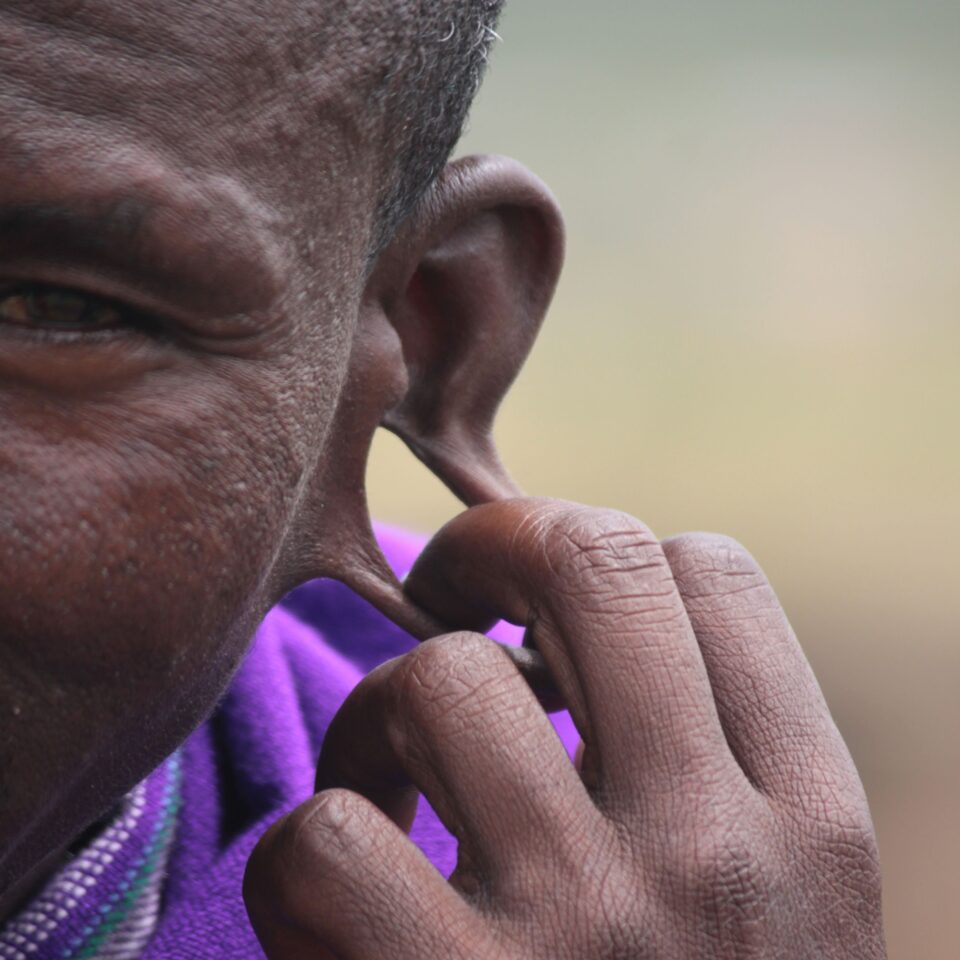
(33,296)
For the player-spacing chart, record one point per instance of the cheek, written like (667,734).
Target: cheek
(135,536)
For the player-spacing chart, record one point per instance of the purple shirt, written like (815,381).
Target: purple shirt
(196,820)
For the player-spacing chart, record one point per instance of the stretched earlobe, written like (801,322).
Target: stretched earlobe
(450,313)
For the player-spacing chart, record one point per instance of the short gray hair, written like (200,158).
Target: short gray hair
(427,99)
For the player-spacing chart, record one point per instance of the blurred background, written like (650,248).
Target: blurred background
(758,333)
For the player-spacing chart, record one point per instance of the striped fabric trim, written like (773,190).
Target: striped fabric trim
(105,903)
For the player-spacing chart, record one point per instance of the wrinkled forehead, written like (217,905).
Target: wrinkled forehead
(222,94)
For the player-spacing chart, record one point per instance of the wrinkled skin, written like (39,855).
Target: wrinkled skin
(159,492)
(162,487)
(716,814)
(147,484)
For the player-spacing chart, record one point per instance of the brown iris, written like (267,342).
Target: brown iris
(54,309)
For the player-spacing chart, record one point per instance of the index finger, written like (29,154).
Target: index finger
(596,593)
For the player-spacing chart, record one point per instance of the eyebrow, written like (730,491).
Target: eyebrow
(117,225)
(202,253)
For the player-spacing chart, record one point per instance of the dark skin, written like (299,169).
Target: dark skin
(187,441)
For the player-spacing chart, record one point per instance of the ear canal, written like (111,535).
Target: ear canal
(469,317)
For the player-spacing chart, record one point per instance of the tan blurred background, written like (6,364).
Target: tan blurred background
(758,333)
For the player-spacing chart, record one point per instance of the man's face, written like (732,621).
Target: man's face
(193,176)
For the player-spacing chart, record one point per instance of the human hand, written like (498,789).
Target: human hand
(716,814)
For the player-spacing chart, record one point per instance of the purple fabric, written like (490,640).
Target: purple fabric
(254,759)
(105,902)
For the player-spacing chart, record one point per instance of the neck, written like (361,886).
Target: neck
(16,897)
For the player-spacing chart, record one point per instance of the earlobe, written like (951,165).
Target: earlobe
(483,260)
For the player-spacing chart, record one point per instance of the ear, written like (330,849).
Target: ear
(449,314)
(466,290)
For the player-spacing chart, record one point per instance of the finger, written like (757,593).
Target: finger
(597,595)
(337,879)
(455,718)
(773,713)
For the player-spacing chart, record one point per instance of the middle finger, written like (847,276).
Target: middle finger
(597,596)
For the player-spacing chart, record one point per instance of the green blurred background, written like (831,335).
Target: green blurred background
(757,333)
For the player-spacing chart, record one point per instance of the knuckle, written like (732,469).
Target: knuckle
(323,834)
(593,546)
(309,856)
(442,673)
(445,653)
(610,915)
(728,876)
(614,923)
(607,539)
(710,565)
(333,823)
(699,555)
(843,834)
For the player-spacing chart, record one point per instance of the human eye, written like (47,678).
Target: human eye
(60,310)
